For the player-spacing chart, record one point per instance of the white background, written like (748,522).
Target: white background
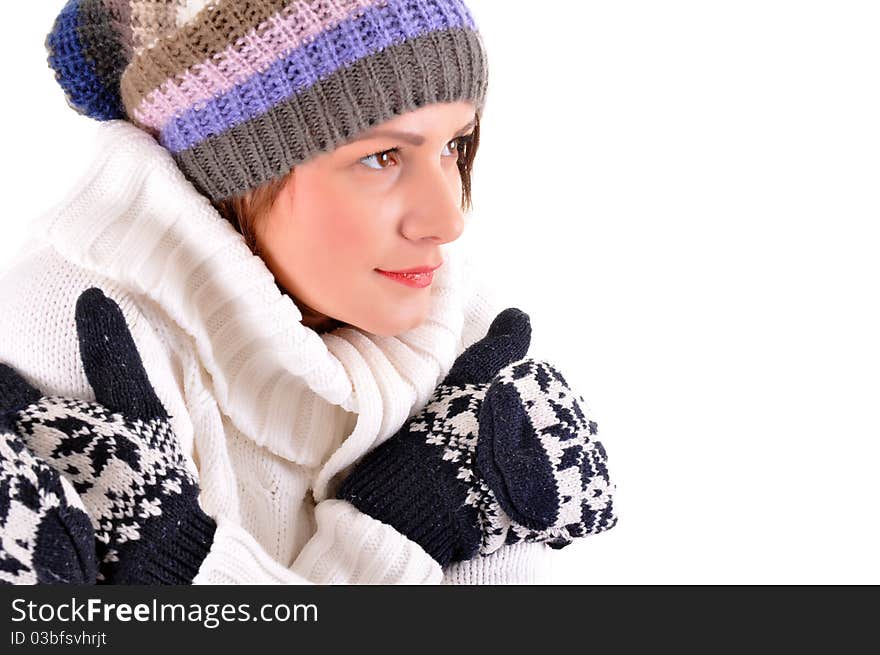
(684,197)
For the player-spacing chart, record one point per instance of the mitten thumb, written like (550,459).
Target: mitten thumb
(507,341)
(512,459)
(111,360)
(68,537)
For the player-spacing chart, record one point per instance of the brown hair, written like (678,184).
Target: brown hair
(245,211)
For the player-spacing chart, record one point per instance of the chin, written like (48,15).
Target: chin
(393,324)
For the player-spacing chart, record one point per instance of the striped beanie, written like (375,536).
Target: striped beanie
(241,91)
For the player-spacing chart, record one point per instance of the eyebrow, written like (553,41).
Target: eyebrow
(409,137)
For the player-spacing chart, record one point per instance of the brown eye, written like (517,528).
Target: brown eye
(460,145)
(456,150)
(382,158)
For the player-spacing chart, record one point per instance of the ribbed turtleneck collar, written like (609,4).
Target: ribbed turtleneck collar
(134,218)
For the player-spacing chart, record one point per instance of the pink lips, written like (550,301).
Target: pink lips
(417,278)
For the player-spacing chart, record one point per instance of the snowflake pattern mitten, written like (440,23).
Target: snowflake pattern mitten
(503,452)
(538,455)
(45,535)
(120,454)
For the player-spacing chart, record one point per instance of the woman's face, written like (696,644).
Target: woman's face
(385,202)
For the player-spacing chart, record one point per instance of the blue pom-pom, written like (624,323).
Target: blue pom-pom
(76,73)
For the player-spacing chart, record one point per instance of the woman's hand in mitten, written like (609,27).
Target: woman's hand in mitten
(120,453)
(538,454)
(45,535)
(501,453)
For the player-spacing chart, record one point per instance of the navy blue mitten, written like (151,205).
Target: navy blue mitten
(45,535)
(119,453)
(503,452)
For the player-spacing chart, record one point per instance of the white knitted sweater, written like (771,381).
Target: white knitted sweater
(272,414)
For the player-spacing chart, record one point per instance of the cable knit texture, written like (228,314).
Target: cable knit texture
(271,414)
(513,564)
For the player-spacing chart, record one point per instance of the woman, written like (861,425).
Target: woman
(259,268)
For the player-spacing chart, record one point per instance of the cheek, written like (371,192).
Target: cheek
(345,234)
(340,231)
(326,248)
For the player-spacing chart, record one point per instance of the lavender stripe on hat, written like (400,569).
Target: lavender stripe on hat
(352,40)
(272,39)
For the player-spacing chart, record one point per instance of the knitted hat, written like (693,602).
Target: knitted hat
(240,91)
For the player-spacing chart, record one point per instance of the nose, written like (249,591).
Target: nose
(434,211)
